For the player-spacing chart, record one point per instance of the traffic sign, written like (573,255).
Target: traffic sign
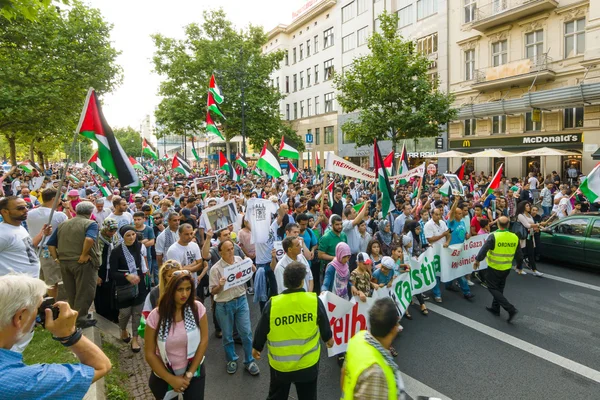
(308,138)
(439,143)
(431,169)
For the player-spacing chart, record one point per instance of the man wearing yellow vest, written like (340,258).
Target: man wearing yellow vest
(370,372)
(290,325)
(499,250)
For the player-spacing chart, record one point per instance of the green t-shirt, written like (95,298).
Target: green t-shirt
(328,242)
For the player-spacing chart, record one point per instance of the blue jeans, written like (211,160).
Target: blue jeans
(462,282)
(154,271)
(237,311)
(547,210)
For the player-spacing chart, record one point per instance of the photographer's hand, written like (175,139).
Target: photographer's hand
(64,325)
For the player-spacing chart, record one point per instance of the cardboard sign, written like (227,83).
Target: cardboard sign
(238,273)
(455,184)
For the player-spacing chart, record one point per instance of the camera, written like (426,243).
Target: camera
(48,302)
(140,236)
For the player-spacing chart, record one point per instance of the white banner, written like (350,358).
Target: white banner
(338,165)
(237,274)
(458,259)
(418,171)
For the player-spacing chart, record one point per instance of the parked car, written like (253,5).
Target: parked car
(574,239)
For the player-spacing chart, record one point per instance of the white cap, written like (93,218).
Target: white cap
(388,262)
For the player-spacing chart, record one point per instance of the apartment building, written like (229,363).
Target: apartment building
(310,43)
(526,74)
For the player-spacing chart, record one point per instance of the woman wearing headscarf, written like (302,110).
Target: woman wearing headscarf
(337,273)
(385,237)
(128,267)
(103,302)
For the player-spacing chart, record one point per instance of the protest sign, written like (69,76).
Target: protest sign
(458,259)
(237,274)
(220,216)
(455,184)
(417,171)
(338,165)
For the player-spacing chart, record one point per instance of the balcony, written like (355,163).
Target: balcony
(500,12)
(514,73)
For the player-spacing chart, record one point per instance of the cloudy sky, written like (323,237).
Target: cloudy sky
(135,20)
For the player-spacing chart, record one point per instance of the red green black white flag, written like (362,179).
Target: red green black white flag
(383,182)
(180,165)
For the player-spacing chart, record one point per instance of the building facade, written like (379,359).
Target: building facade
(525,76)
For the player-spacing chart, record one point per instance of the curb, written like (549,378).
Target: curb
(98,389)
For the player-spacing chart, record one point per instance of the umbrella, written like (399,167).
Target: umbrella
(545,151)
(491,153)
(453,154)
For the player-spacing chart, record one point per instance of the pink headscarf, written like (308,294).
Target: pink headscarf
(341,250)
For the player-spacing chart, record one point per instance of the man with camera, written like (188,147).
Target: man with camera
(21,298)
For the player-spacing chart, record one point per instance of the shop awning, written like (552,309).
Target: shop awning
(570,96)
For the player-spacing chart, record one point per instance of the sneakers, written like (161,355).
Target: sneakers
(250,291)
(87,323)
(521,272)
(538,273)
(253,369)
(495,312)
(470,283)
(232,367)
(437,299)
(468,296)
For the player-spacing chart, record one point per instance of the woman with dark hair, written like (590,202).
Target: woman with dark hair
(384,237)
(290,203)
(128,268)
(414,235)
(374,252)
(176,341)
(103,300)
(526,232)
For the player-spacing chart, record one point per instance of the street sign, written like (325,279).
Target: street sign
(439,143)
(431,169)
(308,138)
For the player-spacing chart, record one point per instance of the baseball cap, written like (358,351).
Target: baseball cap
(297,204)
(110,223)
(364,258)
(388,262)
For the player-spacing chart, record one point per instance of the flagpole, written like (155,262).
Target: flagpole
(64,174)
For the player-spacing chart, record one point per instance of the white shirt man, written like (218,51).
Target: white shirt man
(437,231)
(293,253)
(17,253)
(533,182)
(186,251)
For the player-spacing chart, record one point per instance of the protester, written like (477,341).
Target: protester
(120,212)
(292,248)
(165,274)
(526,237)
(374,252)
(187,253)
(103,301)
(167,237)
(384,237)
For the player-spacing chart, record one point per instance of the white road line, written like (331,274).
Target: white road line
(561,361)
(572,282)
(415,388)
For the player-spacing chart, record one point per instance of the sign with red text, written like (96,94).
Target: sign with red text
(458,259)
(237,274)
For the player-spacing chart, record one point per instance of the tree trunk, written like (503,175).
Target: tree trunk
(13,149)
(31,153)
(40,155)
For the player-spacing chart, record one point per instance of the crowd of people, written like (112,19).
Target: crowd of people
(149,262)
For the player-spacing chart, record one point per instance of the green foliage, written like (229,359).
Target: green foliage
(237,60)
(29,9)
(130,140)
(47,68)
(392,92)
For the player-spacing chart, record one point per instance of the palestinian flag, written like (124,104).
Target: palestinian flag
(111,154)
(225,165)
(358,208)
(287,151)
(26,166)
(318,164)
(136,165)
(214,89)
(329,189)
(590,187)
(104,189)
(212,127)
(388,163)
(239,160)
(268,161)
(495,182)
(72,177)
(194,152)
(383,181)
(256,171)
(460,172)
(213,106)
(96,165)
(180,165)
(403,164)
(445,189)
(292,173)
(165,157)
(148,150)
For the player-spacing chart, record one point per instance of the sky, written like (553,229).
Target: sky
(135,20)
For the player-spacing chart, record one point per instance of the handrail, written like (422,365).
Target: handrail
(538,63)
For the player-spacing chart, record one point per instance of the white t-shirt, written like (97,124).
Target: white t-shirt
(352,234)
(160,241)
(564,207)
(280,268)
(558,196)
(37,217)
(533,182)
(263,250)
(123,219)
(184,254)
(259,213)
(17,253)
(432,229)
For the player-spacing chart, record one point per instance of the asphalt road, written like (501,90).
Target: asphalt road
(460,351)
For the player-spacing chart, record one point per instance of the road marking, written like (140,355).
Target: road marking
(415,388)
(572,282)
(561,361)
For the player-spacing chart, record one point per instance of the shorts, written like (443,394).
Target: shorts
(50,271)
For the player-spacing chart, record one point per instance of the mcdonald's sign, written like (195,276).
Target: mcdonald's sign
(466,143)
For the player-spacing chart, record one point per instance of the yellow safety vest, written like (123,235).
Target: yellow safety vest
(293,339)
(361,355)
(501,256)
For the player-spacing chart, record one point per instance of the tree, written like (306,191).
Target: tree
(130,140)
(391,90)
(239,65)
(47,68)
(29,9)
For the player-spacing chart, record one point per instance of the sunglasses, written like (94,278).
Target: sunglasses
(181,272)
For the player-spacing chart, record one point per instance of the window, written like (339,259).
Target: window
(287,112)
(405,13)
(287,57)
(362,7)
(287,84)
(434,79)
(308,77)
(294,55)
(573,118)
(317,136)
(328,102)
(574,38)
(308,107)
(348,12)
(301,51)
(499,124)
(530,124)
(301,108)
(428,44)
(316,44)
(469,65)
(277,80)
(316,74)
(470,127)
(573,227)
(425,8)
(316,105)
(295,110)
(328,70)
(308,48)
(534,44)
(328,135)
(346,138)
(327,38)
(470,10)
(348,42)
(295,82)
(499,53)
(595,233)
(361,36)
(301,80)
